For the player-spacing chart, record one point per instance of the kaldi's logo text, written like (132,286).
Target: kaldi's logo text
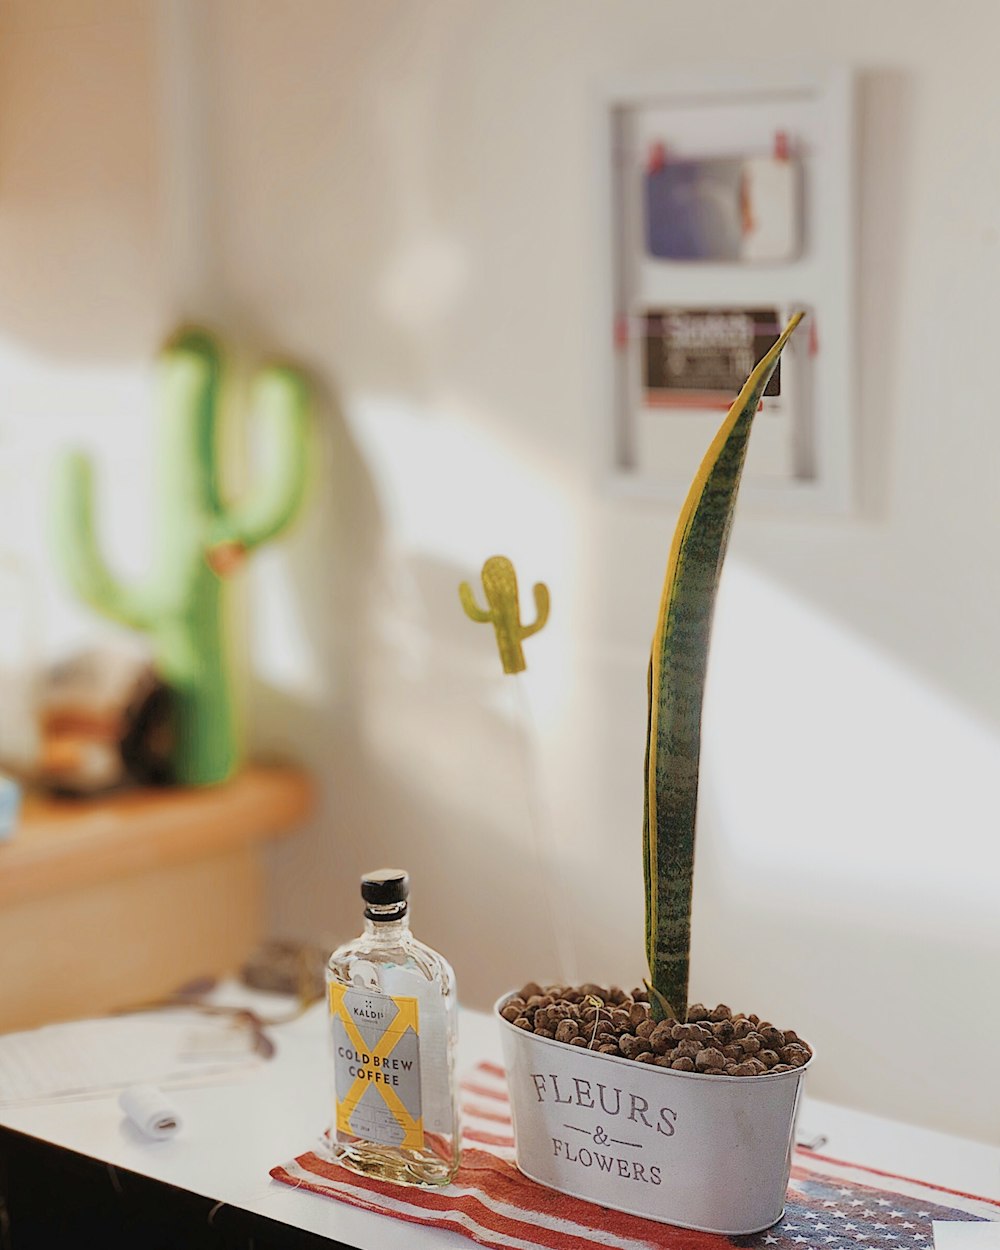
(627,1120)
(368,1010)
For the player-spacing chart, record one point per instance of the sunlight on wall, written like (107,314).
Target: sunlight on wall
(50,405)
(840,776)
(282,653)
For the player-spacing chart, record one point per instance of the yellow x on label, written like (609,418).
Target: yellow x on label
(407,1017)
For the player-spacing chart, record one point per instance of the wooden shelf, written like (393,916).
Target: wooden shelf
(107,902)
(65,844)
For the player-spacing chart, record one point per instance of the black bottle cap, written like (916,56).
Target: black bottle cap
(385,892)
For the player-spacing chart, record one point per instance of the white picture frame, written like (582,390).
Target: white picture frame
(702,115)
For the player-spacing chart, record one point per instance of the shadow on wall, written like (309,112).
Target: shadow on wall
(885,104)
(324,580)
(400,709)
(452,748)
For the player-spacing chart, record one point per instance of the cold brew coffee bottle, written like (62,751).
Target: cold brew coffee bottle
(393,1025)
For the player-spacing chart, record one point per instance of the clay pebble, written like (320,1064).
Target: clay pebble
(711,1041)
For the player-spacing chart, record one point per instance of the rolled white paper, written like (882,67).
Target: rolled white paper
(148,1109)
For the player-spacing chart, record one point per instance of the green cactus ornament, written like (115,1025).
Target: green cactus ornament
(199,539)
(504,612)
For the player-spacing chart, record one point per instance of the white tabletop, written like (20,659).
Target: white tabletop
(235,1133)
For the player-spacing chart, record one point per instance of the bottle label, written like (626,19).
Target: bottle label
(376,1066)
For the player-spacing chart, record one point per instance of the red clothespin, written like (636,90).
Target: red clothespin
(657,158)
(813,336)
(621,331)
(781,145)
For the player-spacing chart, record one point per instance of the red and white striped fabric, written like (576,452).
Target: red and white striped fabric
(831,1205)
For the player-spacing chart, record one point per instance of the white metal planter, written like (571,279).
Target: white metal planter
(705,1152)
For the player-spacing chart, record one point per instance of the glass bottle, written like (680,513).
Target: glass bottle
(393,1017)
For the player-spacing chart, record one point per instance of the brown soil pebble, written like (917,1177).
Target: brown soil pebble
(688,1049)
(741,1069)
(712,1041)
(631,1047)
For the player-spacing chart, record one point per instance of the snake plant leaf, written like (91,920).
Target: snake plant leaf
(677,669)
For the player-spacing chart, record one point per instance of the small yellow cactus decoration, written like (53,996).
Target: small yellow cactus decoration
(504,612)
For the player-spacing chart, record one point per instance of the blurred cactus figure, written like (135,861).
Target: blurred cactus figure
(199,540)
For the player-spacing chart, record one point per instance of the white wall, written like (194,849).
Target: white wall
(405,196)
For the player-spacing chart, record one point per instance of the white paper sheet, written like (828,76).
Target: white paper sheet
(88,1057)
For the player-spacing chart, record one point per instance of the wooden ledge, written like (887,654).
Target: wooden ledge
(63,844)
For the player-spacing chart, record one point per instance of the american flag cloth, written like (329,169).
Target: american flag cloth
(831,1205)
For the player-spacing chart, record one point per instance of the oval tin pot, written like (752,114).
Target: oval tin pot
(711,1153)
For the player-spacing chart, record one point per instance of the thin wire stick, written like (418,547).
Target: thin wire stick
(546,851)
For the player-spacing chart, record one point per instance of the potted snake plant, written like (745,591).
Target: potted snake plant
(645,1102)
